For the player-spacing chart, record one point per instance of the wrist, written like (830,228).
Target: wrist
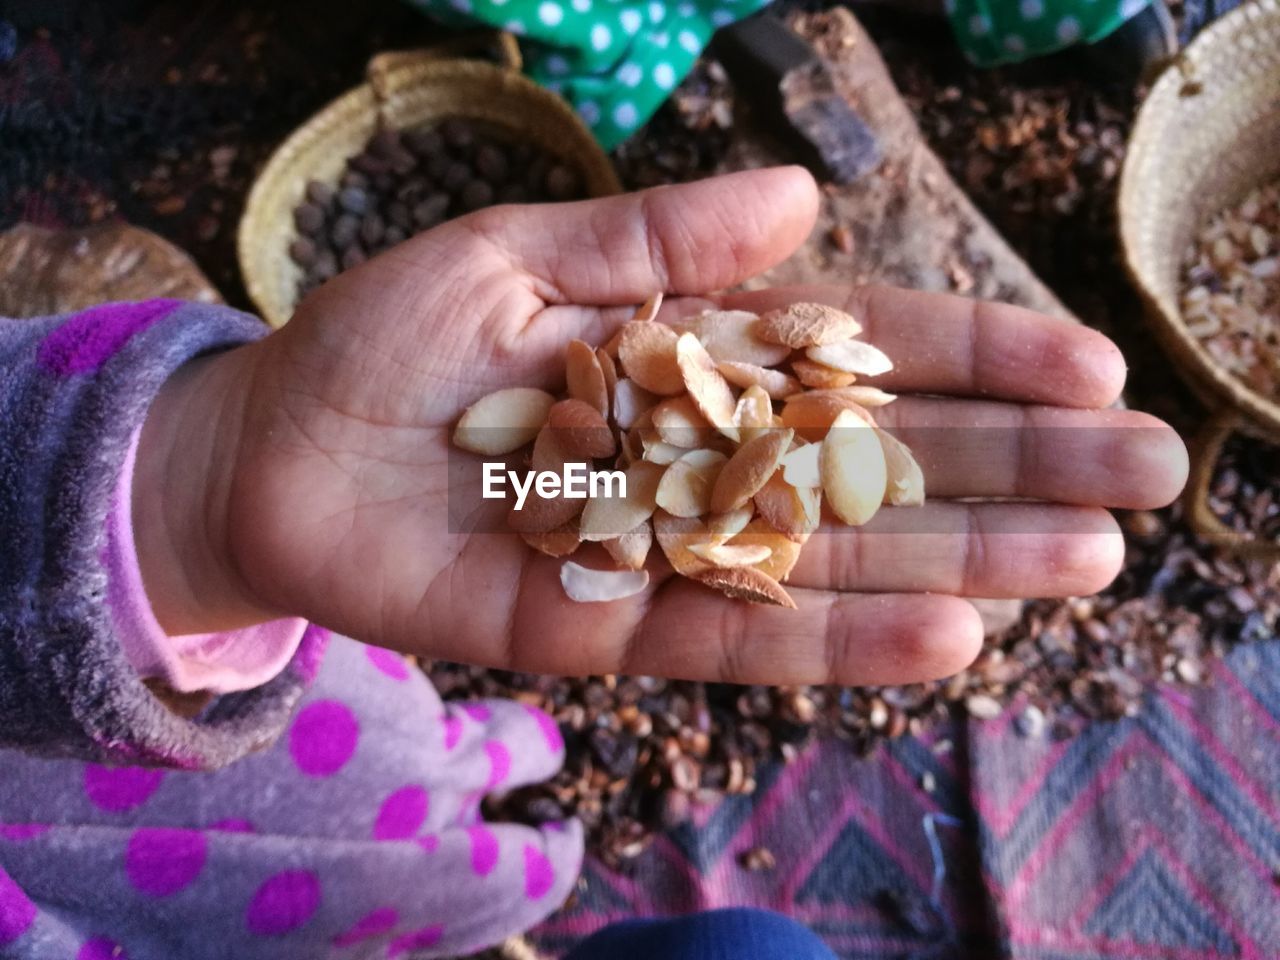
(181,498)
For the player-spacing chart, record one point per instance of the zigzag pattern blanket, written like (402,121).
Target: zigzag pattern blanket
(1156,836)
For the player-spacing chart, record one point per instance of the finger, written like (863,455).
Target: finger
(683,239)
(975,448)
(830,638)
(681,629)
(968,550)
(947,344)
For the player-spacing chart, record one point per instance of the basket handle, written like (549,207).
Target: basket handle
(1206,447)
(502,45)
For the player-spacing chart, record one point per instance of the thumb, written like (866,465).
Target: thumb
(686,239)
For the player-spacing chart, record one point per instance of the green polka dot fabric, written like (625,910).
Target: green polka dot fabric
(992,32)
(616,61)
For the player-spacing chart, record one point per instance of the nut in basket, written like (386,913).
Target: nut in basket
(426,138)
(1207,137)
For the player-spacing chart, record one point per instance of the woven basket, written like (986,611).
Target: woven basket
(403,90)
(1208,133)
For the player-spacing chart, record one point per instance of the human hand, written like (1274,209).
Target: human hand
(308,474)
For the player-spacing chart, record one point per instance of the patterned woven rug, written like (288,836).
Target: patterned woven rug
(1156,836)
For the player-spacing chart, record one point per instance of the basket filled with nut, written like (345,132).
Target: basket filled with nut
(1200,227)
(729,431)
(430,135)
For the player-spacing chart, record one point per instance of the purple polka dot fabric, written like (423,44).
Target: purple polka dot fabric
(388,662)
(17,912)
(376,924)
(324,738)
(283,903)
(101,948)
(416,940)
(357,834)
(160,862)
(402,814)
(116,789)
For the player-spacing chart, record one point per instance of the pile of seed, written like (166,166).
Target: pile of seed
(1245,493)
(730,487)
(689,135)
(404,182)
(1231,289)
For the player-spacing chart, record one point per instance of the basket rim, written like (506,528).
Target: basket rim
(352,103)
(271,171)
(1187,352)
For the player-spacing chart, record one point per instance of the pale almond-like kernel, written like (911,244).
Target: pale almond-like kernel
(731,335)
(793,511)
(630,400)
(504,421)
(854,474)
(662,453)
(649,309)
(643,422)
(581,431)
(859,395)
(724,556)
(753,414)
(812,416)
(611,345)
(675,535)
(583,376)
(819,375)
(543,514)
(749,469)
(631,549)
(784,552)
(775,383)
(905,479)
(747,583)
(604,518)
(679,422)
(647,353)
(803,325)
(800,466)
(722,526)
(632,445)
(851,356)
(650,437)
(710,392)
(810,499)
(584,585)
(548,453)
(685,489)
(610,370)
(722,443)
(559,542)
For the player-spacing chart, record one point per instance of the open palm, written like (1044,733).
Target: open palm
(333,499)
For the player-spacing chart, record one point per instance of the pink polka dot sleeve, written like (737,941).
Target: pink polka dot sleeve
(212,662)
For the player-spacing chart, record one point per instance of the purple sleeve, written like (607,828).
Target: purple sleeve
(204,662)
(73,392)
